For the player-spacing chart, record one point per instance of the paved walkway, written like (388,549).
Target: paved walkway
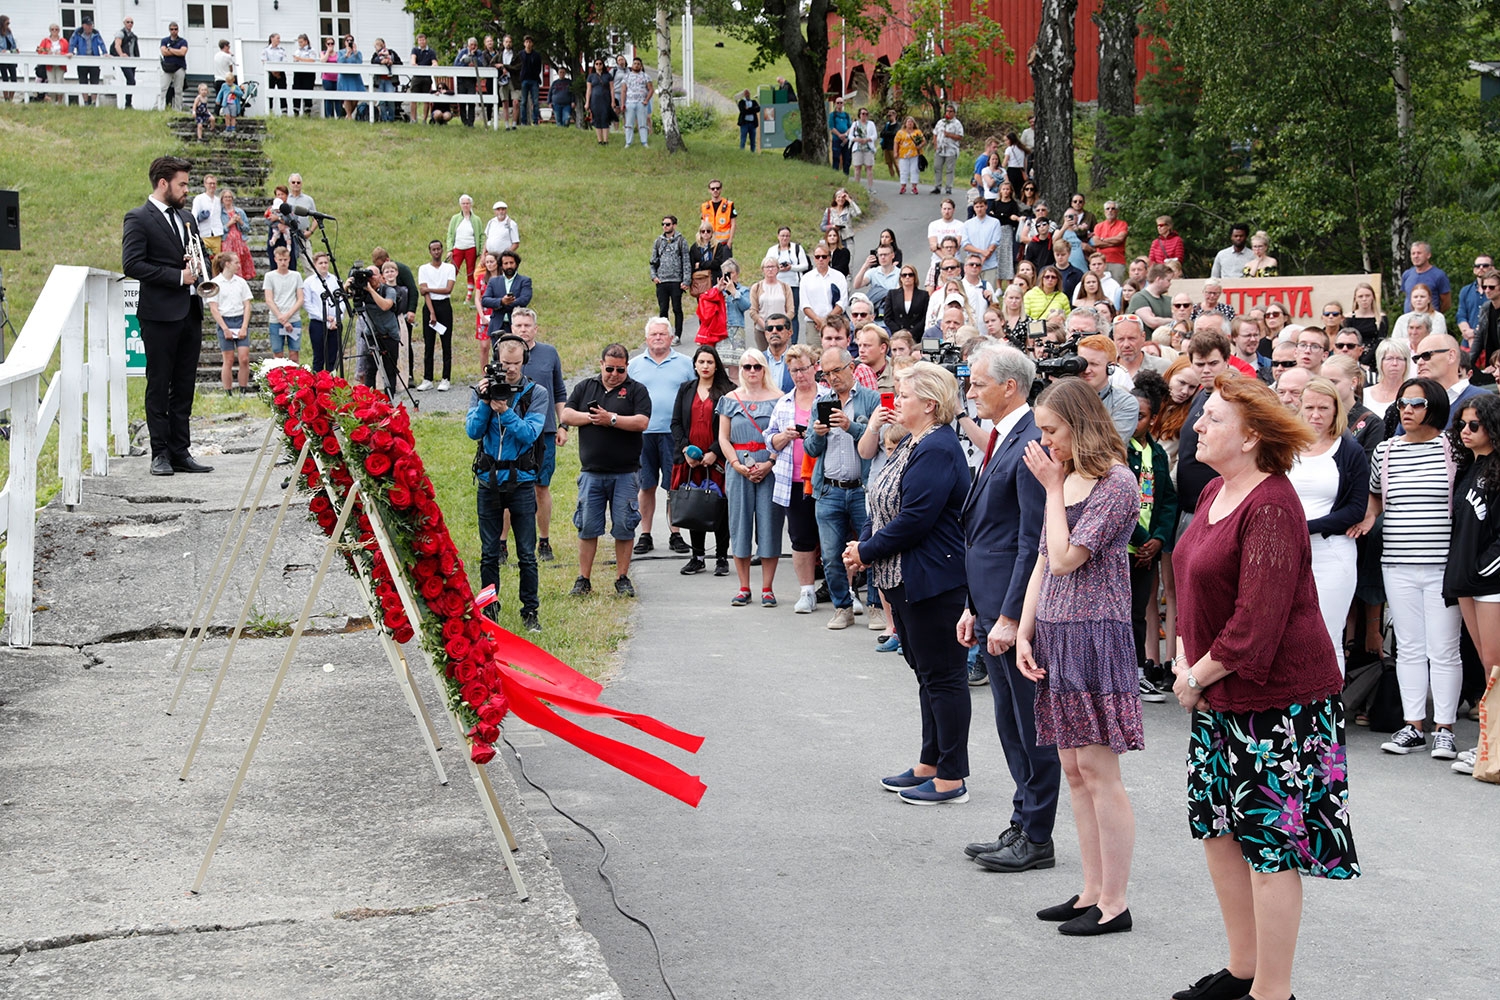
(798,877)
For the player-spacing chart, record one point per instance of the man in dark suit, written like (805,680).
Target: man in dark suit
(507,291)
(1002,520)
(154,248)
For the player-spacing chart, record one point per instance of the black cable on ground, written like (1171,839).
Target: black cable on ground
(613,895)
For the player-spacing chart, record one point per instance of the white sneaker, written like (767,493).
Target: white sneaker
(859,606)
(1466,761)
(806,604)
(444,385)
(426,384)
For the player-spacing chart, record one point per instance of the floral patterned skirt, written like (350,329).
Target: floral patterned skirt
(1276,781)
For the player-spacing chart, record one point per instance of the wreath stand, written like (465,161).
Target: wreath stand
(228,557)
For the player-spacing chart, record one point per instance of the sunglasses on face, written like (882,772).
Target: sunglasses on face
(1329,315)
(949,268)
(1489,288)
(1348,346)
(1482,264)
(1274,315)
(1427,355)
(1470,425)
(714,187)
(820,256)
(1182,305)
(751,366)
(860,315)
(1283,364)
(773,327)
(1412,404)
(611,369)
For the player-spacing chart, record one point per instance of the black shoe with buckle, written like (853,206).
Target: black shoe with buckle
(644,544)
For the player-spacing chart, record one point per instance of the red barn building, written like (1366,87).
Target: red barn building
(854,63)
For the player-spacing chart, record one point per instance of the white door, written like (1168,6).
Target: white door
(204,25)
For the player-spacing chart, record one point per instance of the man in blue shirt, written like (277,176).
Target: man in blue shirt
(662,371)
(507,428)
(87,42)
(544,366)
(173,66)
(838,135)
(1424,271)
(1470,298)
(981,235)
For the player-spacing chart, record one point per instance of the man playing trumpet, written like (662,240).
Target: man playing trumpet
(154,250)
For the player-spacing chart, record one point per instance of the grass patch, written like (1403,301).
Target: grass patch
(725,69)
(588,215)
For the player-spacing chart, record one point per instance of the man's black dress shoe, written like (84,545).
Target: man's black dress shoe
(1007,837)
(1093,922)
(1018,856)
(161,465)
(189,464)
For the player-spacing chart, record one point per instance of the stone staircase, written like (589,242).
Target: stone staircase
(239,162)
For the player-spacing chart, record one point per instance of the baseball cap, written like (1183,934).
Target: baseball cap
(499,204)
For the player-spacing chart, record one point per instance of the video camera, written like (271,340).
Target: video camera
(358,284)
(496,388)
(1060,361)
(945,355)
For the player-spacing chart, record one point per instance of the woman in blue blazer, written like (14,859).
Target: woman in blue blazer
(914,549)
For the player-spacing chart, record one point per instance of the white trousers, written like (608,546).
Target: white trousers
(1427,637)
(908,167)
(1334,571)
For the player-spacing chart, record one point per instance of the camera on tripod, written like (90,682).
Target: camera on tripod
(945,355)
(495,387)
(358,284)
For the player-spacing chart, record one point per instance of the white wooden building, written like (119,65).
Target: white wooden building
(246,24)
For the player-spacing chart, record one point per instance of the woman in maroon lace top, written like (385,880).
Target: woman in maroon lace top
(1267,776)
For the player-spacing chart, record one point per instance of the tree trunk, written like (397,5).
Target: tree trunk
(1117,31)
(1406,186)
(664,82)
(1051,65)
(809,58)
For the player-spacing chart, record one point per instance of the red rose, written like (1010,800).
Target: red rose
(318,425)
(452,629)
(474,631)
(360,434)
(457,647)
(291,426)
(425,568)
(397,496)
(381,440)
(319,504)
(488,732)
(377,463)
(404,635)
(326,521)
(424,544)
(494,710)
(480,753)
(448,562)
(466,672)
(331,445)
(430,588)
(474,693)
(396,622)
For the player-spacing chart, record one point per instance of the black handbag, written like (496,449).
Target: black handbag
(700,507)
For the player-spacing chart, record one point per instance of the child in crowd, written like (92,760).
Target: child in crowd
(1156,527)
(231,101)
(203,110)
(230,307)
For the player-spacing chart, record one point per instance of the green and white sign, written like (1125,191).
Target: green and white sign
(135,347)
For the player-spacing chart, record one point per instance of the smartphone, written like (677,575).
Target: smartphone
(800,428)
(888,400)
(825,409)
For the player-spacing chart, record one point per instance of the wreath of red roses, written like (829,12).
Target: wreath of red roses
(476,659)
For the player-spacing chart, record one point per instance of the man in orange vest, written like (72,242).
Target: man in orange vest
(720,213)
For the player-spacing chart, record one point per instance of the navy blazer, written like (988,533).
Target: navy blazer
(493,299)
(1002,522)
(925,532)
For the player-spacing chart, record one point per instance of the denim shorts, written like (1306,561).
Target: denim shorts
(656,461)
(225,344)
(615,490)
(281,340)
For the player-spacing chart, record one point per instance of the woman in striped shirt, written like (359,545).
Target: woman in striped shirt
(1411,480)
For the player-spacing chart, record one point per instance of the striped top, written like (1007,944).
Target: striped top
(1414,481)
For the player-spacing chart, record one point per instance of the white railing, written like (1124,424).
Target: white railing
(80,307)
(144,92)
(370,75)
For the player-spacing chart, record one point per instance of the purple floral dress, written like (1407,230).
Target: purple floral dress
(1091,694)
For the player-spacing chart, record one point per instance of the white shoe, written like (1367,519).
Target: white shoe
(444,385)
(876,620)
(426,384)
(806,604)
(1466,760)
(859,606)
(842,618)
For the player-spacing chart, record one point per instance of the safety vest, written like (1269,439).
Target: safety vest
(721,217)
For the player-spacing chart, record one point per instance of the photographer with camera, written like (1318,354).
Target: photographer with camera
(1100,353)
(507,413)
(376,304)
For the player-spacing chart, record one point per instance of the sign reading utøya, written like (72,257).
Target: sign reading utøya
(1304,295)
(135,347)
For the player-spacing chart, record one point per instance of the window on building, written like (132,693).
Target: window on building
(72,14)
(334,19)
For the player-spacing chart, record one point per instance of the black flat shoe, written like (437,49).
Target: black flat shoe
(1092,924)
(1062,911)
(1216,986)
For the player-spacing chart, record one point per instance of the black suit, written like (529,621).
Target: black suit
(898,317)
(171,319)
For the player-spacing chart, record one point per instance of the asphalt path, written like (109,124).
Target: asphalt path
(799,877)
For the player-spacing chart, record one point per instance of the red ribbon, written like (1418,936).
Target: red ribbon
(544,679)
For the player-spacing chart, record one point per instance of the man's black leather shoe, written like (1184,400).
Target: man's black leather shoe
(161,465)
(1019,856)
(1008,837)
(189,464)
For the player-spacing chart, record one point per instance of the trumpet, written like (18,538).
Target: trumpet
(197,263)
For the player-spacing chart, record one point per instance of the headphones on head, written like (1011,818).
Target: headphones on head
(515,339)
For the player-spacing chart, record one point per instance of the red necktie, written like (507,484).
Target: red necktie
(989,449)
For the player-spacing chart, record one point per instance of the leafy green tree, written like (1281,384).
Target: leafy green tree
(945,58)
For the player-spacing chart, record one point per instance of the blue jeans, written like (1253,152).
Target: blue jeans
(749,132)
(562,114)
(330,108)
(637,120)
(841,518)
(387,109)
(521,502)
(842,156)
(531,92)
